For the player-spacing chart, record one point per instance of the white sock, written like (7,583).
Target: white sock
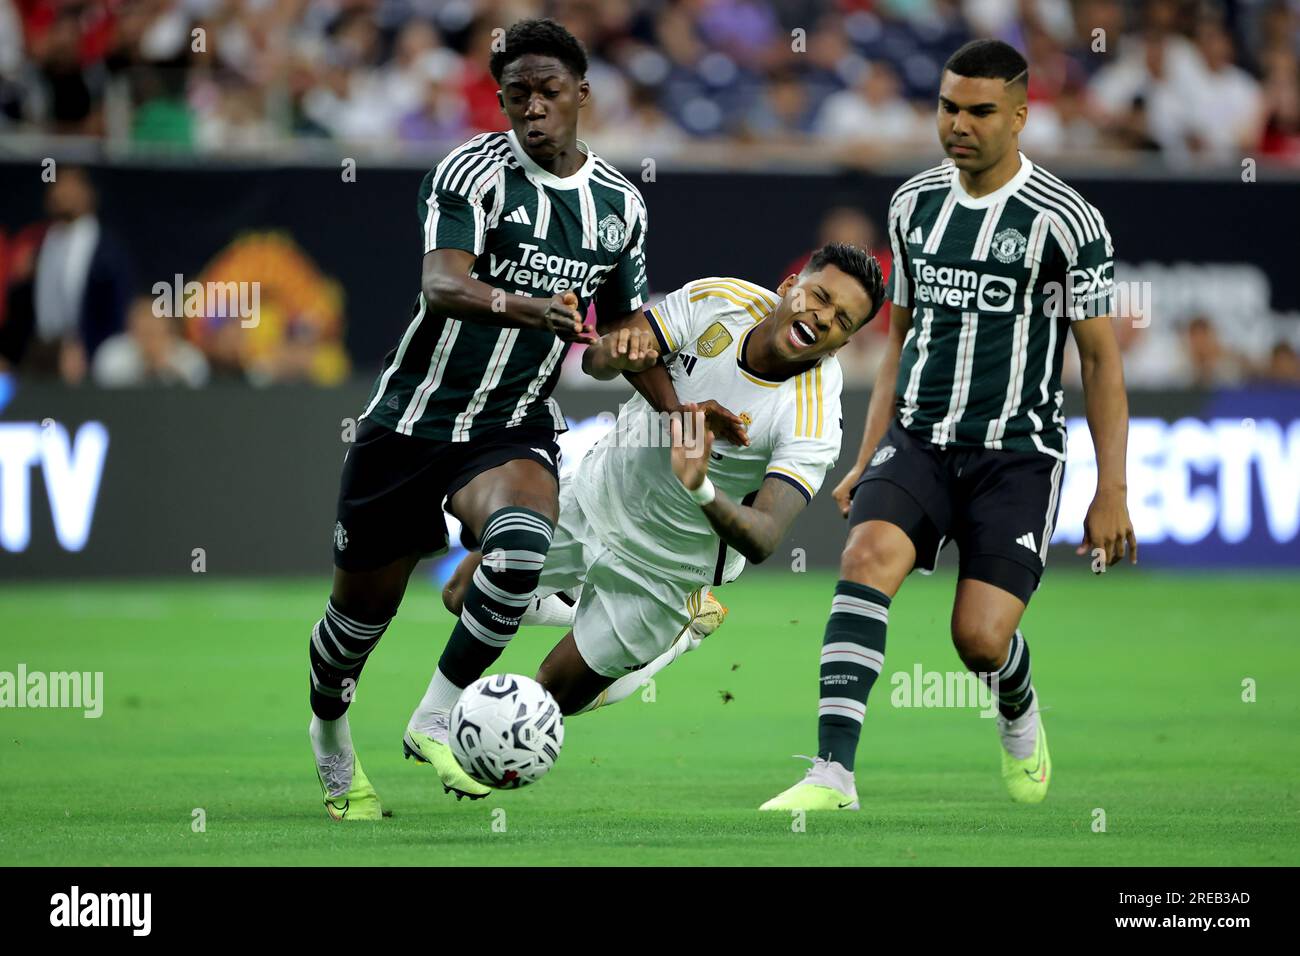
(629,684)
(1020,736)
(549,611)
(436,704)
(330,736)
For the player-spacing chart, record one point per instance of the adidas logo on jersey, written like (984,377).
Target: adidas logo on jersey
(1028,541)
(393,403)
(915,236)
(520,215)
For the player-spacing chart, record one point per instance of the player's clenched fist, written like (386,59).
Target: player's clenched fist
(562,318)
(627,350)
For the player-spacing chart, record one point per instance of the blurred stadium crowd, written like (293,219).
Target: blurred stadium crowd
(852,79)
(1160,82)
(72,312)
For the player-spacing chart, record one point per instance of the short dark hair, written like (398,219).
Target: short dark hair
(857,263)
(543,37)
(989,59)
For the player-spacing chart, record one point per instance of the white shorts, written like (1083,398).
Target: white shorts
(627,614)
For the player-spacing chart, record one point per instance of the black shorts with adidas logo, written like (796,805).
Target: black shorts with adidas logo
(998,506)
(393,487)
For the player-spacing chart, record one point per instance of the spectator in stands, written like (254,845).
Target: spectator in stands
(69,93)
(873,111)
(1150,93)
(149,352)
(1229,107)
(1283,366)
(1279,61)
(74,291)
(1210,363)
(645,128)
(783,112)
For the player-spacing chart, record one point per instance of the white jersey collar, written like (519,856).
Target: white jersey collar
(1001,194)
(550,179)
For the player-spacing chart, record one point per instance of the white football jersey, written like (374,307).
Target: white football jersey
(625,485)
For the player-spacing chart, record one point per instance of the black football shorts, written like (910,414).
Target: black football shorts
(393,486)
(998,506)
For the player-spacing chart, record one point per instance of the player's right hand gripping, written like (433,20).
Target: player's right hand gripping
(722,422)
(844,490)
(628,350)
(562,318)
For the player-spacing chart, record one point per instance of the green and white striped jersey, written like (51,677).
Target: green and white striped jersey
(993,284)
(534,234)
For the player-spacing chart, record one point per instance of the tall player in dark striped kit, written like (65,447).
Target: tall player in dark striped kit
(995,260)
(522,230)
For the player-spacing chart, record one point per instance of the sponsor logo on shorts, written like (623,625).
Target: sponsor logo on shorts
(340,536)
(882,455)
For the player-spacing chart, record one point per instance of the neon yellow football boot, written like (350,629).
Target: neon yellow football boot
(345,789)
(827,786)
(1027,780)
(432,748)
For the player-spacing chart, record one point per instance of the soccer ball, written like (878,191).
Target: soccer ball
(506,731)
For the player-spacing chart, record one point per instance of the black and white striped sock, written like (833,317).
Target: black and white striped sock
(1014,685)
(514,543)
(339,647)
(853,652)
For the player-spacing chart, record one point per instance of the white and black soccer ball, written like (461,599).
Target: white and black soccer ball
(506,731)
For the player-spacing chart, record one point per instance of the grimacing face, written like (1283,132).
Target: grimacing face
(541,98)
(818,313)
(979,119)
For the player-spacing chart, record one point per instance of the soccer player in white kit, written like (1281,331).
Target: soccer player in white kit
(648,525)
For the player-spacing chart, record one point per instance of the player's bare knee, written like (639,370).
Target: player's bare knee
(980,643)
(868,560)
(376,609)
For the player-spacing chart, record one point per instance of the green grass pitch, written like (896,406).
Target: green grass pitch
(206,708)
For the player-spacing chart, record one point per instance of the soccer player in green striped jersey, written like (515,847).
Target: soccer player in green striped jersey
(995,261)
(522,230)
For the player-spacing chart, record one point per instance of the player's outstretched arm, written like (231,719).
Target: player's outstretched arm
(753,530)
(1107,524)
(449,289)
(881,410)
(655,384)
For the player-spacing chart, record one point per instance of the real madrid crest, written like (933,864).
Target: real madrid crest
(612,232)
(713,341)
(1009,245)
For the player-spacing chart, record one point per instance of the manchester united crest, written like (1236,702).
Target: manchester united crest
(1009,246)
(612,232)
